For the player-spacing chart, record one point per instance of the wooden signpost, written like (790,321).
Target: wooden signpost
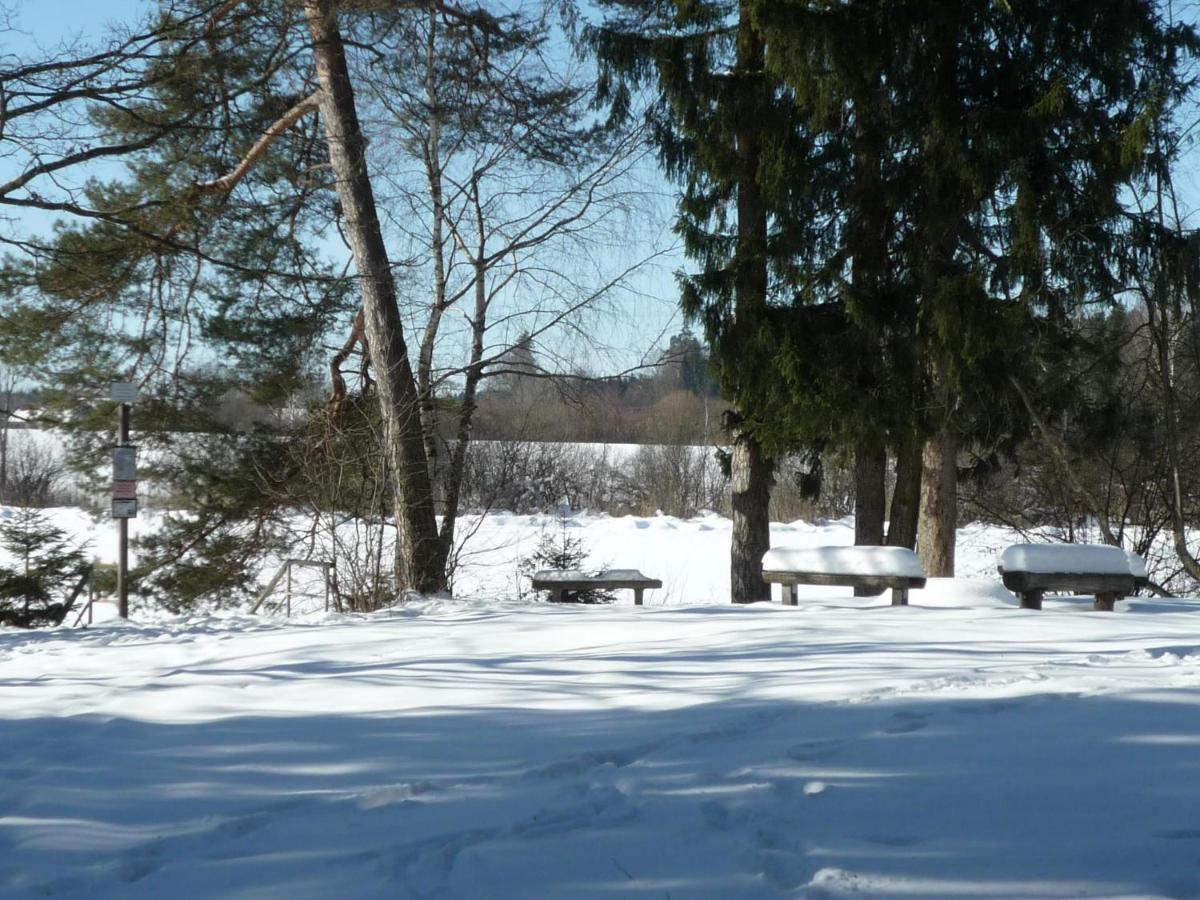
(124,490)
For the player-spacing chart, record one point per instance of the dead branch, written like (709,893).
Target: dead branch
(280,126)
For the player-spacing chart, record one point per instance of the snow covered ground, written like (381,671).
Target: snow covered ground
(490,747)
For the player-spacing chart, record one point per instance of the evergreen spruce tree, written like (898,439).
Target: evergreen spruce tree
(35,587)
(729,134)
(986,145)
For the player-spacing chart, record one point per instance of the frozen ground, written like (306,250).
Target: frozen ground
(480,748)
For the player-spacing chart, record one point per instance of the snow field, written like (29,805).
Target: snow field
(501,748)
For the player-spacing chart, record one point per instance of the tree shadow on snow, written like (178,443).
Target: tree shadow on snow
(1042,795)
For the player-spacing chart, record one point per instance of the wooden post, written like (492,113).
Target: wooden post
(123,530)
(900,596)
(1106,601)
(637,596)
(791,595)
(1031,599)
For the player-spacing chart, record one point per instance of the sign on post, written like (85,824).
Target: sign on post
(124,392)
(124,490)
(124,464)
(124,509)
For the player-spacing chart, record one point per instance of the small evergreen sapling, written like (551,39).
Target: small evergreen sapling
(45,565)
(563,551)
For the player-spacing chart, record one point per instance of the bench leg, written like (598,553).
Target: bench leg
(899,596)
(637,596)
(1105,601)
(1031,599)
(791,594)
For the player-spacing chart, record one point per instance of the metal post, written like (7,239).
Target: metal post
(123,532)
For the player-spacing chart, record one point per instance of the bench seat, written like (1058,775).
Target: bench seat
(1107,573)
(562,582)
(871,568)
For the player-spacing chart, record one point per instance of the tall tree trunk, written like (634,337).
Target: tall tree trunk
(416,525)
(870,467)
(751,469)
(906,496)
(434,174)
(1163,338)
(1159,310)
(752,477)
(939,504)
(469,406)
(868,235)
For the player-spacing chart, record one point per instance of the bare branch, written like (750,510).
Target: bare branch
(280,126)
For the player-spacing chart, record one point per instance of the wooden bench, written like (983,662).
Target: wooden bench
(562,582)
(1107,573)
(875,569)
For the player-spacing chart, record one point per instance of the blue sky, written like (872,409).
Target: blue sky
(636,324)
(633,329)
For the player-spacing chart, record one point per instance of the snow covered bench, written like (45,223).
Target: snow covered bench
(873,568)
(1108,573)
(562,582)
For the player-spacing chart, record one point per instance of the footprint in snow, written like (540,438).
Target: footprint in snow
(907,723)
(243,825)
(893,840)
(134,865)
(716,815)
(811,751)
(1179,834)
(988,707)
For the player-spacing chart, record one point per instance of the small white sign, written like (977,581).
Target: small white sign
(124,509)
(124,392)
(124,463)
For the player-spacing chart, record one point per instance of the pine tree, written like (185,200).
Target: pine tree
(207,251)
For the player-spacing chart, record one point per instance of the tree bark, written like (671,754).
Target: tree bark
(870,468)
(939,504)
(413,504)
(1161,334)
(751,470)
(867,234)
(906,495)
(752,477)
